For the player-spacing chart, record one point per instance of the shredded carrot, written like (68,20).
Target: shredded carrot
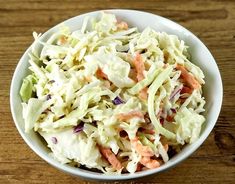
(111,157)
(149,163)
(133,74)
(122,25)
(145,151)
(189,79)
(101,74)
(186,89)
(129,115)
(143,94)
(139,66)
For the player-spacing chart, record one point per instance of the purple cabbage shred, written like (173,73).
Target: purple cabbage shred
(54,140)
(175,92)
(117,101)
(78,128)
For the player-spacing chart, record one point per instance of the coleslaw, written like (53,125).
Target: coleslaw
(112,98)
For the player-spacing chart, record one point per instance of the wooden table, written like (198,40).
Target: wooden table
(212,21)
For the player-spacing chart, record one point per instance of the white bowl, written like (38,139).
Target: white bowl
(201,56)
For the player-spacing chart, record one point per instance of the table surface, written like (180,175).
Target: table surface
(212,21)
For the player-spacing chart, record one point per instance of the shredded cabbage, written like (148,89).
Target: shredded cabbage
(188,125)
(152,91)
(27,88)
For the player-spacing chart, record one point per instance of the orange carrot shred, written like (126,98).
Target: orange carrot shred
(143,94)
(101,74)
(111,157)
(149,163)
(127,116)
(145,151)
(139,65)
(189,79)
(186,89)
(133,74)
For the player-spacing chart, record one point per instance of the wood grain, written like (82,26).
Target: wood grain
(212,21)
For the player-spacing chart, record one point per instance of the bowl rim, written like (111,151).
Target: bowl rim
(98,176)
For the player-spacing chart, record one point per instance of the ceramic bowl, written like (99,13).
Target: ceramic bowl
(201,56)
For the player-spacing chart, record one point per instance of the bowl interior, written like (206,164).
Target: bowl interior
(200,56)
